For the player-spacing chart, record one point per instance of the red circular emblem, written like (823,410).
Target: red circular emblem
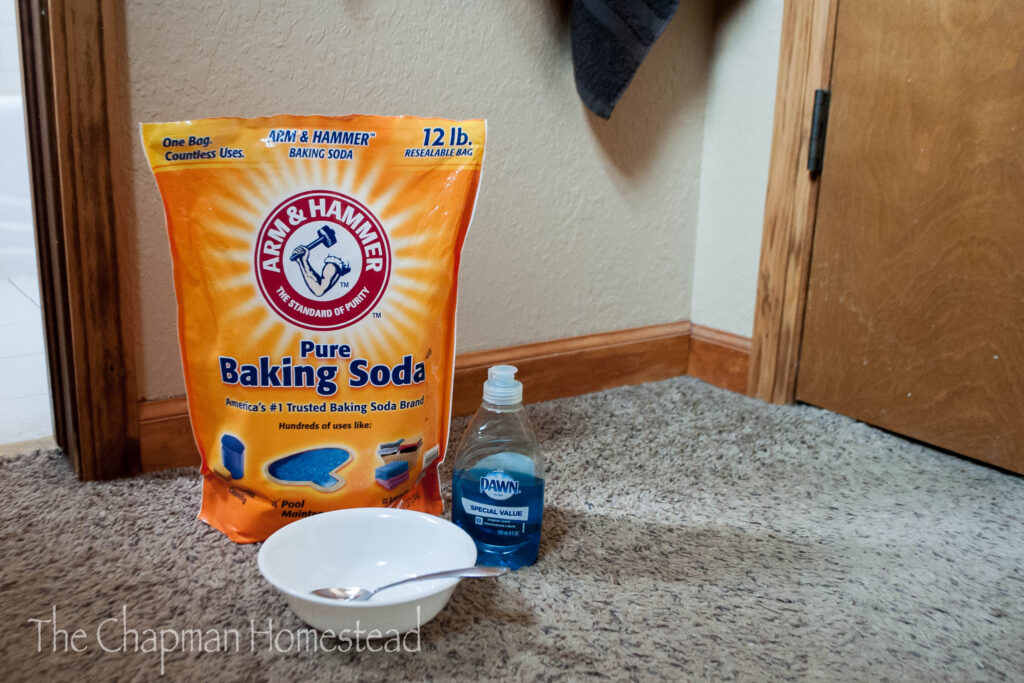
(322,260)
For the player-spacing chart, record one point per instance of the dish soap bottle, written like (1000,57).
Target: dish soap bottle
(498,483)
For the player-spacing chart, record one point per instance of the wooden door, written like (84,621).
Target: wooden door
(915,307)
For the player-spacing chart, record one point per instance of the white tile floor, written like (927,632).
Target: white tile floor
(24,388)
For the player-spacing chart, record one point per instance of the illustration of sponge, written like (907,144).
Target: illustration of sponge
(315,468)
(391,475)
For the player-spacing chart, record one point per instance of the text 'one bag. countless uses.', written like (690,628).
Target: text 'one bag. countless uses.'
(315,264)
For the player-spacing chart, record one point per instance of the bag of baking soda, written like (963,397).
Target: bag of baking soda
(316,261)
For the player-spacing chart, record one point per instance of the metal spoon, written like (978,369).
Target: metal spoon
(355,594)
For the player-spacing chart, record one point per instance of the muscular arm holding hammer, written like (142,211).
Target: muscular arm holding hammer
(334,267)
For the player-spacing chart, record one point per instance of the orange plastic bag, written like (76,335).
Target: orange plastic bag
(315,265)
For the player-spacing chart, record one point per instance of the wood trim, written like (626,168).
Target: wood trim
(554,369)
(166,442)
(165,435)
(74,70)
(150,411)
(579,365)
(719,358)
(805,64)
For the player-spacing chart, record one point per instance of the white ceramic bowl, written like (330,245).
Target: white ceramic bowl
(366,547)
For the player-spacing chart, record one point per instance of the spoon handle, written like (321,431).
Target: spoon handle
(465,572)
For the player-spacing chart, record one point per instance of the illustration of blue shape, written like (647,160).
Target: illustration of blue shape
(312,467)
(232,454)
(392,469)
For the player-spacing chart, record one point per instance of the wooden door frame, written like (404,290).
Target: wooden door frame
(805,65)
(74,74)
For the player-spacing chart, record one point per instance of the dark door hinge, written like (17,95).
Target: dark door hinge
(819,129)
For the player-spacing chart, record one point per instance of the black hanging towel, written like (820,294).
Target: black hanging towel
(610,38)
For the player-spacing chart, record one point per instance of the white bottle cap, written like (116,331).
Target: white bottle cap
(501,387)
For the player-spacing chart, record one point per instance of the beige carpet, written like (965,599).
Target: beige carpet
(689,533)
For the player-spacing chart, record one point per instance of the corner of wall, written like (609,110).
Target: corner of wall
(734,169)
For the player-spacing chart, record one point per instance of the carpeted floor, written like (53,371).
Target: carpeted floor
(689,533)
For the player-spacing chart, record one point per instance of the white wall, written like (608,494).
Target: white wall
(582,225)
(17,242)
(10,71)
(734,170)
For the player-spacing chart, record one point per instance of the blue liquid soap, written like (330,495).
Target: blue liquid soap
(498,482)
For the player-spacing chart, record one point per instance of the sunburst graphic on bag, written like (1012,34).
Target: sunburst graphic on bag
(323,247)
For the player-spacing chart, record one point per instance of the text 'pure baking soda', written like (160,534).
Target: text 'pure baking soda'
(315,264)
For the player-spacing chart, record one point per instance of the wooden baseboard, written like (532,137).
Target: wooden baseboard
(579,365)
(165,435)
(548,370)
(719,358)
